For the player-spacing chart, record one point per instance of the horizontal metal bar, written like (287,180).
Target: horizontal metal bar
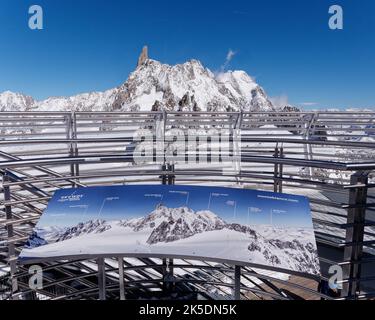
(129,158)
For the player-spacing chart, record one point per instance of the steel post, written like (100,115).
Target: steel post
(355,234)
(12,259)
(121,277)
(101,279)
(237,283)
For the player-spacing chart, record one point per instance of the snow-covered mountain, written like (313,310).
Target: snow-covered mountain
(10,101)
(156,86)
(185,231)
(189,87)
(92,226)
(172,224)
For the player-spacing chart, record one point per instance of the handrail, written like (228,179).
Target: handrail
(244,138)
(244,158)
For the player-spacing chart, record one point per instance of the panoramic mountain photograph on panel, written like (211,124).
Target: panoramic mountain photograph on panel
(240,225)
(190,151)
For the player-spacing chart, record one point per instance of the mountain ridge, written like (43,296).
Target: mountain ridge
(155,86)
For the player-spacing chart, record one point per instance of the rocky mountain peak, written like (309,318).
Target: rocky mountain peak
(143,57)
(11,101)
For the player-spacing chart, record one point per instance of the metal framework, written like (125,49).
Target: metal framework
(327,156)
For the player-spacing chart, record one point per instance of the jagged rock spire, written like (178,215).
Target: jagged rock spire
(143,56)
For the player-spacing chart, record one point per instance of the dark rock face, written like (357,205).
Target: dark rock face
(241,228)
(93,226)
(305,256)
(271,258)
(35,241)
(170,231)
(295,245)
(258,103)
(157,106)
(253,246)
(290,108)
(188,103)
(143,57)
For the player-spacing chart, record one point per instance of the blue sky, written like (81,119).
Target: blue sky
(89,45)
(127,202)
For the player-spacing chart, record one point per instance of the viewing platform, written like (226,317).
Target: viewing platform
(328,157)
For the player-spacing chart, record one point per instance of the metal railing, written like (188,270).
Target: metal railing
(329,157)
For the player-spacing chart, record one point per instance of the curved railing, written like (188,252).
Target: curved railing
(213,279)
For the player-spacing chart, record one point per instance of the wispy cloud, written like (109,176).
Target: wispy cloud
(280,101)
(228,59)
(230,55)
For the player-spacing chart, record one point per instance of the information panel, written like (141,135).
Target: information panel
(248,226)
